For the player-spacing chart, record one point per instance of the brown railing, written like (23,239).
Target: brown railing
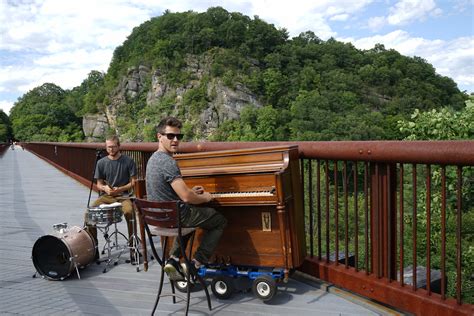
(3,148)
(381,216)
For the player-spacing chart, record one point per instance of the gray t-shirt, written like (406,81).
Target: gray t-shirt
(161,171)
(116,173)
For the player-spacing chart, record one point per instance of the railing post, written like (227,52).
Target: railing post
(383,223)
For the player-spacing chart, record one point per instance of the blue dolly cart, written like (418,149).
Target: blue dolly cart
(225,277)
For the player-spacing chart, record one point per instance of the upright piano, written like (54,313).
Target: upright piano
(259,191)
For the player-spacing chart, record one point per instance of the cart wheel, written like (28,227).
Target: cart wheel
(264,287)
(222,286)
(182,286)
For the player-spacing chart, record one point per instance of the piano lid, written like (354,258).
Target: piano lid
(249,160)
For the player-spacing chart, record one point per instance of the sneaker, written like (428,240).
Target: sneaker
(194,268)
(174,270)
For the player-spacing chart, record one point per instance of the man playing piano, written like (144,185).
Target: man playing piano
(165,183)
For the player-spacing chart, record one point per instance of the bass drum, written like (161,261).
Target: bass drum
(55,256)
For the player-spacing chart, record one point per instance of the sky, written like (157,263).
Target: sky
(61,41)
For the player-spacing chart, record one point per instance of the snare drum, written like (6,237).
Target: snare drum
(55,256)
(104,215)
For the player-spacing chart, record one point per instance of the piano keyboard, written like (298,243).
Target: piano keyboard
(242,194)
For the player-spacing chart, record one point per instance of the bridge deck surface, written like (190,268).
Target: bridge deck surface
(34,195)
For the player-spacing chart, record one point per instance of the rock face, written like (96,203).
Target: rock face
(95,127)
(226,105)
(223,102)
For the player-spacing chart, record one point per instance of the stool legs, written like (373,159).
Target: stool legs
(188,270)
(188,275)
(162,274)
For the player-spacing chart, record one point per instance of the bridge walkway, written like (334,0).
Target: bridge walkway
(34,196)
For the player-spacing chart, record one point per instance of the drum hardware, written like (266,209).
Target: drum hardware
(99,153)
(103,217)
(60,227)
(55,256)
(134,244)
(111,242)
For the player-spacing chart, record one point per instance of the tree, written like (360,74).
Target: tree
(443,124)
(5,128)
(42,114)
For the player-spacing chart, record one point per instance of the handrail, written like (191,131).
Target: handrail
(459,152)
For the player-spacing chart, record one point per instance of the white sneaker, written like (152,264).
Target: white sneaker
(174,270)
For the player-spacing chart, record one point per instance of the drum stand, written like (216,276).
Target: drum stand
(111,242)
(134,244)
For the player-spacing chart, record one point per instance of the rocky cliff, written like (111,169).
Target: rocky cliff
(223,102)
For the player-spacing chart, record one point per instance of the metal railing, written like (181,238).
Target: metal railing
(3,148)
(380,216)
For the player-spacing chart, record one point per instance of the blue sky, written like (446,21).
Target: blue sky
(61,41)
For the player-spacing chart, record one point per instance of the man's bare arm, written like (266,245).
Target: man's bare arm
(188,195)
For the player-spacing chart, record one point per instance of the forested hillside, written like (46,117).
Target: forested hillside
(304,88)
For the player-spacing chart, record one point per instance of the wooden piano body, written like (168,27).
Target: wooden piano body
(259,192)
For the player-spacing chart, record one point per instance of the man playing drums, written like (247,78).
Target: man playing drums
(115,174)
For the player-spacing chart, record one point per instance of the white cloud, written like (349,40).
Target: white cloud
(339,17)
(406,11)
(79,58)
(61,41)
(299,15)
(6,106)
(57,25)
(376,23)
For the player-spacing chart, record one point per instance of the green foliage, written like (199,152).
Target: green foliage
(255,124)
(43,114)
(195,99)
(86,98)
(442,124)
(5,128)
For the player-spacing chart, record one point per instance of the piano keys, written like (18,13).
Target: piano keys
(220,195)
(259,191)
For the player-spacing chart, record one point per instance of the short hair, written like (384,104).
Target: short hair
(114,138)
(168,121)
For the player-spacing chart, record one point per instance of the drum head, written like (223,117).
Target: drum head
(51,257)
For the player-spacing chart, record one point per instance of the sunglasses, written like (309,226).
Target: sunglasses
(171,136)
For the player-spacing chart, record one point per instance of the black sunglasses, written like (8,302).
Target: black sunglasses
(171,136)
